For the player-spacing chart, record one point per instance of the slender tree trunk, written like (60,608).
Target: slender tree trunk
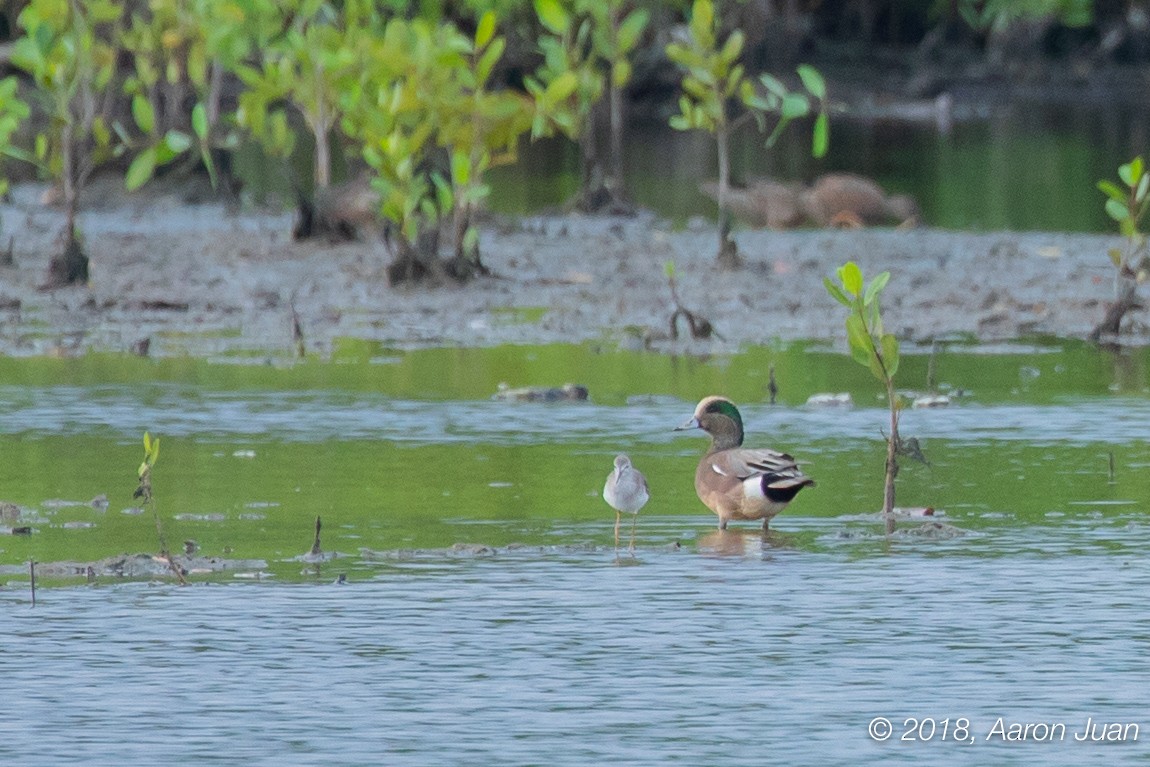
(592,195)
(70,265)
(322,131)
(891,459)
(1125,299)
(728,256)
(615,183)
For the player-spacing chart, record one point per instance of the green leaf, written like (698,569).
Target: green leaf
(1143,185)
(1112,190)
(460,168)
(200,121)
(875,287)
(702,20)
(553,16)
(733,47)
(794,106)
(1115,257)
(773,84)
(631,29)
(1117,210)
(857,333)
(890,354)
(836,292)
(561,88)
(485,30)
(813,81)
(821,136)
(669,269)
(143,113)
(177,142)
(1127,173)
(876,368)
(141,169)
(1136,170)
(851,277)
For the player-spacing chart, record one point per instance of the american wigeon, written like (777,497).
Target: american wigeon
(737,482)
(625,491)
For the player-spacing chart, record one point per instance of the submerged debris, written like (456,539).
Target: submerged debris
(842,399)
(127,566)
(566,392)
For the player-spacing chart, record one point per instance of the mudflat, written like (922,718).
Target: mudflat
(200,278)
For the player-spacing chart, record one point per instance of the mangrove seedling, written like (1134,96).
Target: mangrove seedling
(480,128)
(877,351)
(309,66)
(69,50)
(144,493)
(586,53)
(713,78)
(1127,204)
(176,83)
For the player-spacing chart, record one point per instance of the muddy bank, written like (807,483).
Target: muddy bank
(199,279)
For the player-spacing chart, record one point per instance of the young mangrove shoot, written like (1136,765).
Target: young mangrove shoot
(876,350)
(1127,204)
(144,493)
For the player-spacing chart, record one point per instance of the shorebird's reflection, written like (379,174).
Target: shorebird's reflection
(735,542)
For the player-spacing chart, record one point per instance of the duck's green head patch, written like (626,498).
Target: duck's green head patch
(723,406)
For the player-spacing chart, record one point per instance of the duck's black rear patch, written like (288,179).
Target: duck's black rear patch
(782,494)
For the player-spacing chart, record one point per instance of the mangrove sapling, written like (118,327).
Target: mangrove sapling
(179,62)
(875,350)
(1126,204)
(309,66)
(68,48)
(480,128)
(699,326)
(144,493)
(392,114)
(713,77)
(586,51)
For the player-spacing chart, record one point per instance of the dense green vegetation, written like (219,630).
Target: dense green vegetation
(430,96)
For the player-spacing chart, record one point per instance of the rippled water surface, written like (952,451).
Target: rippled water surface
(781,657)
(533,643)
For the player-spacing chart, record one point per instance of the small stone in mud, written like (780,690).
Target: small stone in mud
(473,549)
(842,399)
(566,392)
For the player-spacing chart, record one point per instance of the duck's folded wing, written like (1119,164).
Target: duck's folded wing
(748,463)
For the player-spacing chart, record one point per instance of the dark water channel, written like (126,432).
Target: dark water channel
(545,648)
(1020,165)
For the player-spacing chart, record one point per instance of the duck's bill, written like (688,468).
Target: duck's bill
(691,424)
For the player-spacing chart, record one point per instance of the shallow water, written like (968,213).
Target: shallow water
(1022,166)
(782,656)
(548,648)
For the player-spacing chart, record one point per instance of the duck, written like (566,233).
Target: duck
(625,491)
(736,482)
(850,200)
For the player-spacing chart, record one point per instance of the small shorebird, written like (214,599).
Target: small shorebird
(625,491)
(737,482)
